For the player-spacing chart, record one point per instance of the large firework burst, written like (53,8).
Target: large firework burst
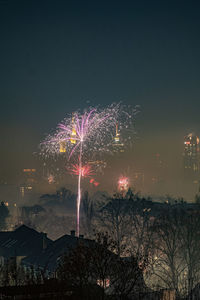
(84,136)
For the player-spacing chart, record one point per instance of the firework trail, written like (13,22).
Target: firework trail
(85,136)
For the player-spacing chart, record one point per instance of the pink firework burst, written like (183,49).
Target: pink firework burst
(123,184)
(85,171)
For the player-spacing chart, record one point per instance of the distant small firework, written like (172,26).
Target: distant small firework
(95,183)
(85,136)
(123,184)
(51,179)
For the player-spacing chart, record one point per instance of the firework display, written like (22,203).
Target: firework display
(123,184)
(85,136)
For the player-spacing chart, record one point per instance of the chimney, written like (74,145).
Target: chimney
(44,240)
(72,232)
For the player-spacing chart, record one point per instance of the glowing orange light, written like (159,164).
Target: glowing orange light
(103,283)
(29,170)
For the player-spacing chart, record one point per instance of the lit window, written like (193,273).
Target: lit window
(103,283)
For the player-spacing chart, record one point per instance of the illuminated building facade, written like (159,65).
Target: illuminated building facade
(25,191)
(29,181)
(63,145)
(73,133)
(191,155)
(29,176)
(117,144)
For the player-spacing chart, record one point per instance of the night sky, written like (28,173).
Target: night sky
(59,56)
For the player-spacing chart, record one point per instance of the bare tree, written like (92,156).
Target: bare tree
(74,267)
(190,245)
(88,264)
(4,214)
(113,218)
(141,236)
(169,267)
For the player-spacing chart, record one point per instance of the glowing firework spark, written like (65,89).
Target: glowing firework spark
(50,179)
(95,183)
(123,184)
(85,136)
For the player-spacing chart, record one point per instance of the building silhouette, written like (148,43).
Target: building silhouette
(191,156)
(27,186)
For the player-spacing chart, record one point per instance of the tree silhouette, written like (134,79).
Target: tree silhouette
(4,214)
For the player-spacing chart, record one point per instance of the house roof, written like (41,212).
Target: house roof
(50,256)
(23,241)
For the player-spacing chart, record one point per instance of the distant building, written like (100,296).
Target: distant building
(73,133)
(29,181)
(117,144)
(63,146)
(22,242)
(191,156)
(73,137)
(29,176)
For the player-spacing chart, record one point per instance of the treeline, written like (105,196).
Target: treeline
(163,238)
